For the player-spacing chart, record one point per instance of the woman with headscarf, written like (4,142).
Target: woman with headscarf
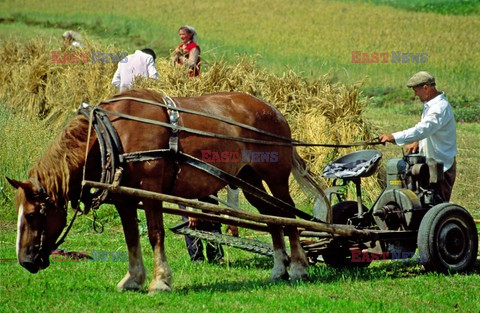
(188,52)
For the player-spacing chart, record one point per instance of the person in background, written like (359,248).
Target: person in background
(188,52)
(71,38)
(141,63)
(214,251)
(435,135)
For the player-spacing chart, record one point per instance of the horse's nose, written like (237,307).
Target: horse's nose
(30,266)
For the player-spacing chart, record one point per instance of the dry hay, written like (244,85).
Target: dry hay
(318,111)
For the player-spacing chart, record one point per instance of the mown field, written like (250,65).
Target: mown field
(310,37)
(242,284)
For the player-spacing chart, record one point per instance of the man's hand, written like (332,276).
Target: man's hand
(412,148)
(386,138)
(233,229)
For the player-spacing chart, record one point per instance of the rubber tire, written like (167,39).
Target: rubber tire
(450,220)
(341,212)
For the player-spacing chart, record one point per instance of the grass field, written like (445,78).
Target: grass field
(243,284)
(311,37)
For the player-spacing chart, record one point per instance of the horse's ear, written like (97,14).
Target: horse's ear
(26,186)
(18,184)
(13,182)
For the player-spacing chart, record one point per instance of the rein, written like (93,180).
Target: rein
(290,141)
(64,235)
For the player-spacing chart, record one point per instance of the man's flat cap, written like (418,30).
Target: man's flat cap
(421,78)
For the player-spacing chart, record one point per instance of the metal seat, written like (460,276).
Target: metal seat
(354,165)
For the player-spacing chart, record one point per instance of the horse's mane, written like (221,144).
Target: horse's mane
(66,151)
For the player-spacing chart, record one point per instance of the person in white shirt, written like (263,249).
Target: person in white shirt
(435,135)
(141,63)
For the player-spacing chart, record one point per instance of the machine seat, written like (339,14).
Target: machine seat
(357,164)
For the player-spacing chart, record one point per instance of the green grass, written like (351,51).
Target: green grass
(446,7)
(244,283)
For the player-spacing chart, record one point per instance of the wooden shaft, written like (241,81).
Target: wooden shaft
(216,218)
(344,230)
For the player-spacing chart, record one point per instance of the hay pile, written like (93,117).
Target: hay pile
(317,110)
(36,86)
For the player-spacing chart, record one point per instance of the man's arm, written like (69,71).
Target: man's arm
(429,124)
(152,71)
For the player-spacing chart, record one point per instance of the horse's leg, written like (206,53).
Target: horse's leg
(299,263)
(135,277)
(162,274)
(280,257)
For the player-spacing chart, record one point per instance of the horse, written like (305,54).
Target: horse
(55,180)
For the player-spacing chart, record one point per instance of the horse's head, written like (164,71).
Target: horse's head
(40,223)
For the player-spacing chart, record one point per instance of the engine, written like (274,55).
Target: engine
(411,190)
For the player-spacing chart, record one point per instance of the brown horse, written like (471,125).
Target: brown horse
(56,178)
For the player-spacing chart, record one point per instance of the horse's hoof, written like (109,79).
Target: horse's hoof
(158,287)
(298,274)
(127,287)
(279,275)
(130,283)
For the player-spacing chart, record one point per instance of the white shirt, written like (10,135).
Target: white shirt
(133,65)
(436,132)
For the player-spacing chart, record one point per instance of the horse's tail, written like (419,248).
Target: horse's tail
(306,179)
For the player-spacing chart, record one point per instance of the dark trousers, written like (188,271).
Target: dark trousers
(195,246)
(446,186)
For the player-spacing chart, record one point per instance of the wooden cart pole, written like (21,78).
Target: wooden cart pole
(217,218)
(343,230)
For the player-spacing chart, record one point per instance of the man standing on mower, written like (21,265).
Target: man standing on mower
(435,135)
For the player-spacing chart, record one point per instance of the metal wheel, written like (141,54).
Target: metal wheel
(447,239)
(339,252)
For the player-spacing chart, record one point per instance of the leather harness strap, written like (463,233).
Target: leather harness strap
(289,141)
(174,116)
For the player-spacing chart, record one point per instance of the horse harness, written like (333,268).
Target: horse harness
(113,156)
